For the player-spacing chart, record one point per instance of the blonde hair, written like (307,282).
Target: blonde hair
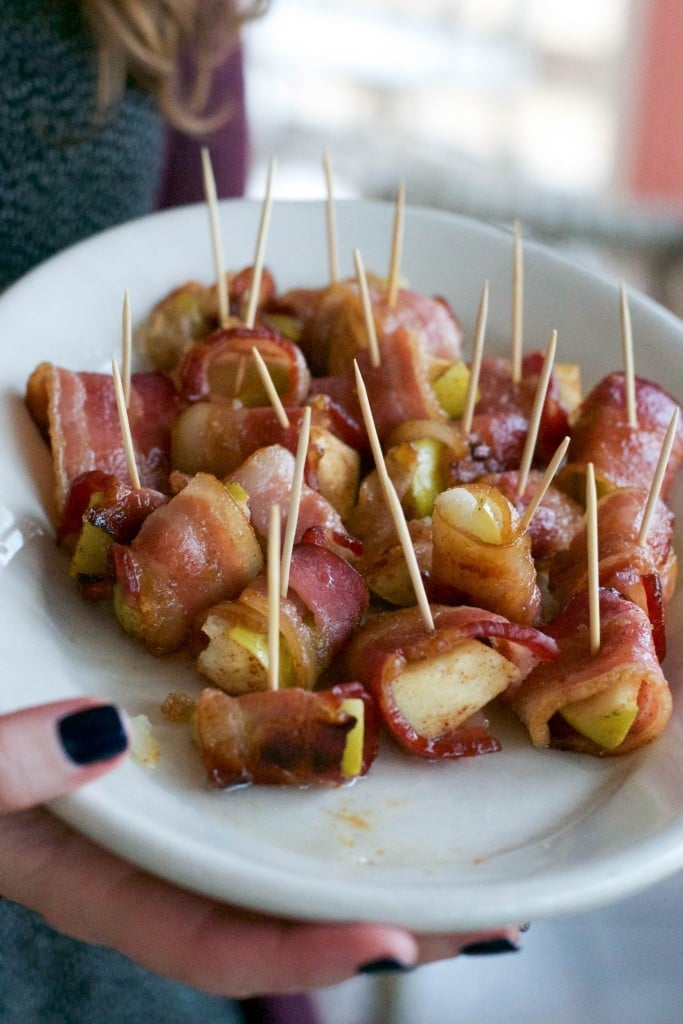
(145,39)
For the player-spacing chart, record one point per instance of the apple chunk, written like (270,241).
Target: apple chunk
(606,717)
(438,694)
(236,658)
(470,509)
(352,758)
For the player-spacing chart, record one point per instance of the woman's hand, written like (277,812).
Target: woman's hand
(94,896)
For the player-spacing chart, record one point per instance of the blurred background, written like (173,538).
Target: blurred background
(566,115)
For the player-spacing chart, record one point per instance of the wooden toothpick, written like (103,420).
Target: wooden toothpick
(396,246)
(551,470)
(274,598)
(393,503)
(332,249)
(477,352)
(536,413)
(295,500)
(627,347)
(127,348)
(593,559)
(517,304)
(257,272)
(373,344)
(271,390)
(126,435)
(216,243)
(658,478)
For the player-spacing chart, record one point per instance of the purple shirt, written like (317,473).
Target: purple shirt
(181,177)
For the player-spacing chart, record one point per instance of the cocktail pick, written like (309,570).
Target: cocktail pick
(393,502)
(545,482)
(593,559)
(257,270)
(273,571)
(396,246)
(271,390)
(125,426)
(216,243)
(332,247)
(536,413)
(373,344)
(627,348)
(477,353)
(295,499)
(658,478)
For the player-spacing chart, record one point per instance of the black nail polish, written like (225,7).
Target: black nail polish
(384,966)
(487,948)
(525,927)
(94,734)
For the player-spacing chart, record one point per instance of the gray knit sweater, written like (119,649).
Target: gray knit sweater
(61,180)
(61,177)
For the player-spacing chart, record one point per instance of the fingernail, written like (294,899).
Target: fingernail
(489,947)
(94,734)
(384,966)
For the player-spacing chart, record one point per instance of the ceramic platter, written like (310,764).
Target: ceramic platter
(512,837)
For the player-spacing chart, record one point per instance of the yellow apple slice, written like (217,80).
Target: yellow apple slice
(236,658)
(465,509)
(352,758)
(450,389)
(606,717)
(438,694)
(423,459)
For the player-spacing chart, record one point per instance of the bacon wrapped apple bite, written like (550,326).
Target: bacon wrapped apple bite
(287,737)
(430,684)
(222,366)
(325,603)
(612,701)
(78,416)
(198,549)
(190,313)
(266,477)
(642,571)
(102,510)
(624,454)
(481,555)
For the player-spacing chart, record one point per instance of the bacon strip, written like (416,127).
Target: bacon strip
(625,456)
(197,550)
(78,414)
(267,476)
(626,652)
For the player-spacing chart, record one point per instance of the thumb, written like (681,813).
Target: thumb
(51,749)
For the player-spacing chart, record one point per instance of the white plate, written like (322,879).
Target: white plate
(511,837)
